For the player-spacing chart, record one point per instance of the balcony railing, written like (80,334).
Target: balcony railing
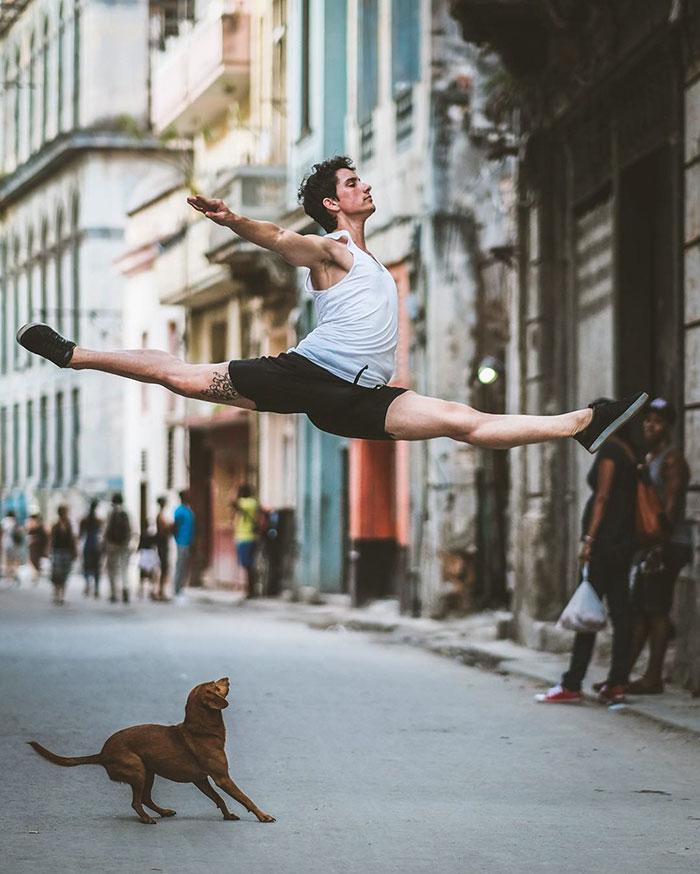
(202,73)
(256,191)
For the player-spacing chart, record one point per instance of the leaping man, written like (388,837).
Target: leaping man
(338,374)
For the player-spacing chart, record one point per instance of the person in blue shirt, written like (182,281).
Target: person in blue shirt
(183,532)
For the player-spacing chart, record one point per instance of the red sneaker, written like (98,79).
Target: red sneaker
(559,695)
(612,694)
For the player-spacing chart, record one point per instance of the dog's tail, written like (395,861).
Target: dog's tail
(65,761)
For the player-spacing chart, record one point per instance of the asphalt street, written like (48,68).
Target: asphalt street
(373,758)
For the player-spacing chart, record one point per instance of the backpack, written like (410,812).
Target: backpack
(118,528)
(650,514)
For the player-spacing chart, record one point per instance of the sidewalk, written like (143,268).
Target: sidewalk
(477,641)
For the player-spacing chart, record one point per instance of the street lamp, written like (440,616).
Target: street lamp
(489,370)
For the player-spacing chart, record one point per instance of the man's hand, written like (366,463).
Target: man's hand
(299,250)
(213,209)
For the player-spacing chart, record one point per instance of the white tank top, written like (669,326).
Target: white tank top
(357,322)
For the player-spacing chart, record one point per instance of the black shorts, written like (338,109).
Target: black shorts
(290,383)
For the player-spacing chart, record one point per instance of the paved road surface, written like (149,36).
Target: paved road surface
(373,758)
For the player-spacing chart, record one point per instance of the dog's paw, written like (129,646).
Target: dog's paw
(231,816)
(166,811)
(265,817)
(149,820)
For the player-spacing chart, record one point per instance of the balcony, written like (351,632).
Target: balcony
(202,72)
(258,192)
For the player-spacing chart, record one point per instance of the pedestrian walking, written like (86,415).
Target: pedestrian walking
(339,373)
(246,533)
(37,543)
(91,536)
(117,542)
(12,546)
(656,569)
(607,546)
(63,554)
(148,561)
(164,530)
(183,532)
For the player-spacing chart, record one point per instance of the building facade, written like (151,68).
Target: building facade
(217,86)
(608,257)
(68,158)
(384,519)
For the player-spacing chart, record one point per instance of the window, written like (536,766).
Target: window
(367,73)
(17,87)
(170,458)
(15,300)
(367,60)
(43,440)
(30,439)
(4,320)
(405,62)
(279,77)
(173,349)
(6,114)
(218,341)
(3,447)
(76,63)
(31,84)
(15,444)
(58,479)
(75,435)
(144,385)
(75,266)
(29,292)
(43,256)
(305,83)
(167,17)
(60,76)
(45,81)
(59,271)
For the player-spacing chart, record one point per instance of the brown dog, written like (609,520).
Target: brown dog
(190,752)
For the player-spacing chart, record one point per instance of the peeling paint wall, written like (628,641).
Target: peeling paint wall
(460,309)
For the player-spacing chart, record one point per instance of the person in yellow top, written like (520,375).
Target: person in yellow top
(245,532)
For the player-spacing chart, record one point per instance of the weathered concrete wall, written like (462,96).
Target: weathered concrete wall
(687,605)
(462,308)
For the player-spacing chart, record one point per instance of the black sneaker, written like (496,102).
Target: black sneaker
(43,340)
(608,417)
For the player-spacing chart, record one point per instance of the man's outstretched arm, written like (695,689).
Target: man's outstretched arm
(299,250)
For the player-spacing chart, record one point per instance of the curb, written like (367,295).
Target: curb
(498,655)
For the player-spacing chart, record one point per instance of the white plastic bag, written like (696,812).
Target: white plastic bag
(585,611)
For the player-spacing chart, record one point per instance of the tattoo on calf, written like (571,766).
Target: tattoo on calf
(221,389)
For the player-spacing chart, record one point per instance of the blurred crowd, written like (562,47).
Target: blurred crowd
(97,547)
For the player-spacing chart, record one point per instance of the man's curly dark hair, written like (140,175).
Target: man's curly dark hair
(319,184)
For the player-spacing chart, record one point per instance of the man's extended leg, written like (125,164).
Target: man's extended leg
(207,382)
(414,417)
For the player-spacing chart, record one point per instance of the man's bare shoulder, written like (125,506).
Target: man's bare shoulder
(336,250)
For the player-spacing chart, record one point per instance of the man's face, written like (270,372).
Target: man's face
(654,428)
(353,197)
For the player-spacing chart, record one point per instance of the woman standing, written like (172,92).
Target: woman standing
(246,510)
(607,545)
(90,529)
(12,544)
(63,553)
(657,568)
(38,542)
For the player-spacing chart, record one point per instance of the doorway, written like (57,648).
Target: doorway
(648,305)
